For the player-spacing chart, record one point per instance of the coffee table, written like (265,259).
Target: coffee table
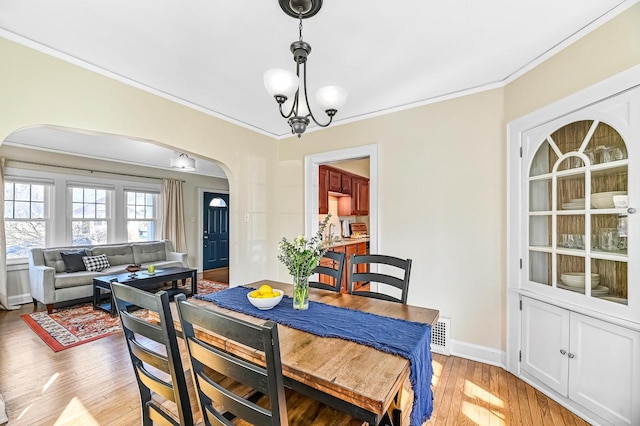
(142,280)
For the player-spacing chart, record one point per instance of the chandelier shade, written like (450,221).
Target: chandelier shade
(290,90)
(331,97)
(279,82)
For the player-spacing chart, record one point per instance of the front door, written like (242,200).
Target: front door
(215,232)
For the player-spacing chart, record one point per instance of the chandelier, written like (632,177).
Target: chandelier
(283,84)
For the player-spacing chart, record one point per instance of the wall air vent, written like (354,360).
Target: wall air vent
(441,337)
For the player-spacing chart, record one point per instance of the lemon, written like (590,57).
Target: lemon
(265,289)
(254,293)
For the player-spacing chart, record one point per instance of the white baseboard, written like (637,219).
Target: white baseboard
(479,353)
(20,299)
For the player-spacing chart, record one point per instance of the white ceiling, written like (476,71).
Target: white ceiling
(388,55)
(105,147)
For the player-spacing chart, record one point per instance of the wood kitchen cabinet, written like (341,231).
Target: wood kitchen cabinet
(323,191)
(354,188)
(360,196)
(339,181)
(348,249)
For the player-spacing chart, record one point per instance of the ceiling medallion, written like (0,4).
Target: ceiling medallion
(283,84)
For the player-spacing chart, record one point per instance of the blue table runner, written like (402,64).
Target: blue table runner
(408,339)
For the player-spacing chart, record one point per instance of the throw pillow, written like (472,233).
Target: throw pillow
(96,263)
(73,260)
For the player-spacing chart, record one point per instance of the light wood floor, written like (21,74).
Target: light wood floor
(93,384)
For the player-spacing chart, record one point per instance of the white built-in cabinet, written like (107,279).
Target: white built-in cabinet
(587,360)
(574,250)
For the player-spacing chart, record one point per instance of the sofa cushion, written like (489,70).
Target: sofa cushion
(163,264)
(117,254)
(53,259)
(73,260)
(96,263)
(149,252)
(76,279)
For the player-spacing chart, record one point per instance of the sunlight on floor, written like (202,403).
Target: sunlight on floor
(76,413)
(437,370)
(23,412)
(50,382)
(481,415)
(474,391)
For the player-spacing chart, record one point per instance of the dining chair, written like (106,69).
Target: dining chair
(364,274)
(334,271)
(154,352)
(216,375)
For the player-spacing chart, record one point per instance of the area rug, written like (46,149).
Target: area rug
(78,324)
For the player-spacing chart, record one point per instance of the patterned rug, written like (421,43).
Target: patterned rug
(78,324)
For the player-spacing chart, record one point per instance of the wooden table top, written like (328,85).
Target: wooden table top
(361,375)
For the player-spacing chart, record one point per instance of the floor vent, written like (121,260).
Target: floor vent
(441,337)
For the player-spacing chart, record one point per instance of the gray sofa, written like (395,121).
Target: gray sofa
(50,283)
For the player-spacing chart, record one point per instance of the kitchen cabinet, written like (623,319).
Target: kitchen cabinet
(573,247)
(348,248)
(339,181)
(352,191)
(323,191)
(573,354)
(360,196)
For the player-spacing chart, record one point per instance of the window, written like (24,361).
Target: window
(26,214)
(141,215)
(217,202)
(89,215)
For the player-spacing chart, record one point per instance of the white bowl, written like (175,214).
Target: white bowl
(268,303)
(576,279)
(604,200)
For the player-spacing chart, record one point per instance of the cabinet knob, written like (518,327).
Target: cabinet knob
(631,210)
(563,352)
(571,355)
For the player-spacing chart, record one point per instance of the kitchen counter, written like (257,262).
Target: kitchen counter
(350,247)
(346,242)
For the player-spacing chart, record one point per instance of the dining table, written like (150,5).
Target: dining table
(358,379)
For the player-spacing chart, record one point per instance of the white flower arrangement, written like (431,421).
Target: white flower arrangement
(301,256)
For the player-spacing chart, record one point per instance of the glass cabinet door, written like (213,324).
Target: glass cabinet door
(577,202)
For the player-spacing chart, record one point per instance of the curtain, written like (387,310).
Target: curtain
(4,298)
(173,214)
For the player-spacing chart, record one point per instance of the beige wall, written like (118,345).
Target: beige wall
(441,197)
(38,89)
(357,167)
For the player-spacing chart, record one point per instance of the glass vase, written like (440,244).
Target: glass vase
(300,293)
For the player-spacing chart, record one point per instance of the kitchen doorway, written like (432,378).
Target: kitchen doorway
(312,163)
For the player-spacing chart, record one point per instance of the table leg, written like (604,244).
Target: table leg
(96,296)
(194,282)
(112,308)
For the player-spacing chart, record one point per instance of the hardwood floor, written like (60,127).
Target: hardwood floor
(93,384)
(220,275)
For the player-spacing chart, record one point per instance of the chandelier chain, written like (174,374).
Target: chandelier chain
(300,17)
